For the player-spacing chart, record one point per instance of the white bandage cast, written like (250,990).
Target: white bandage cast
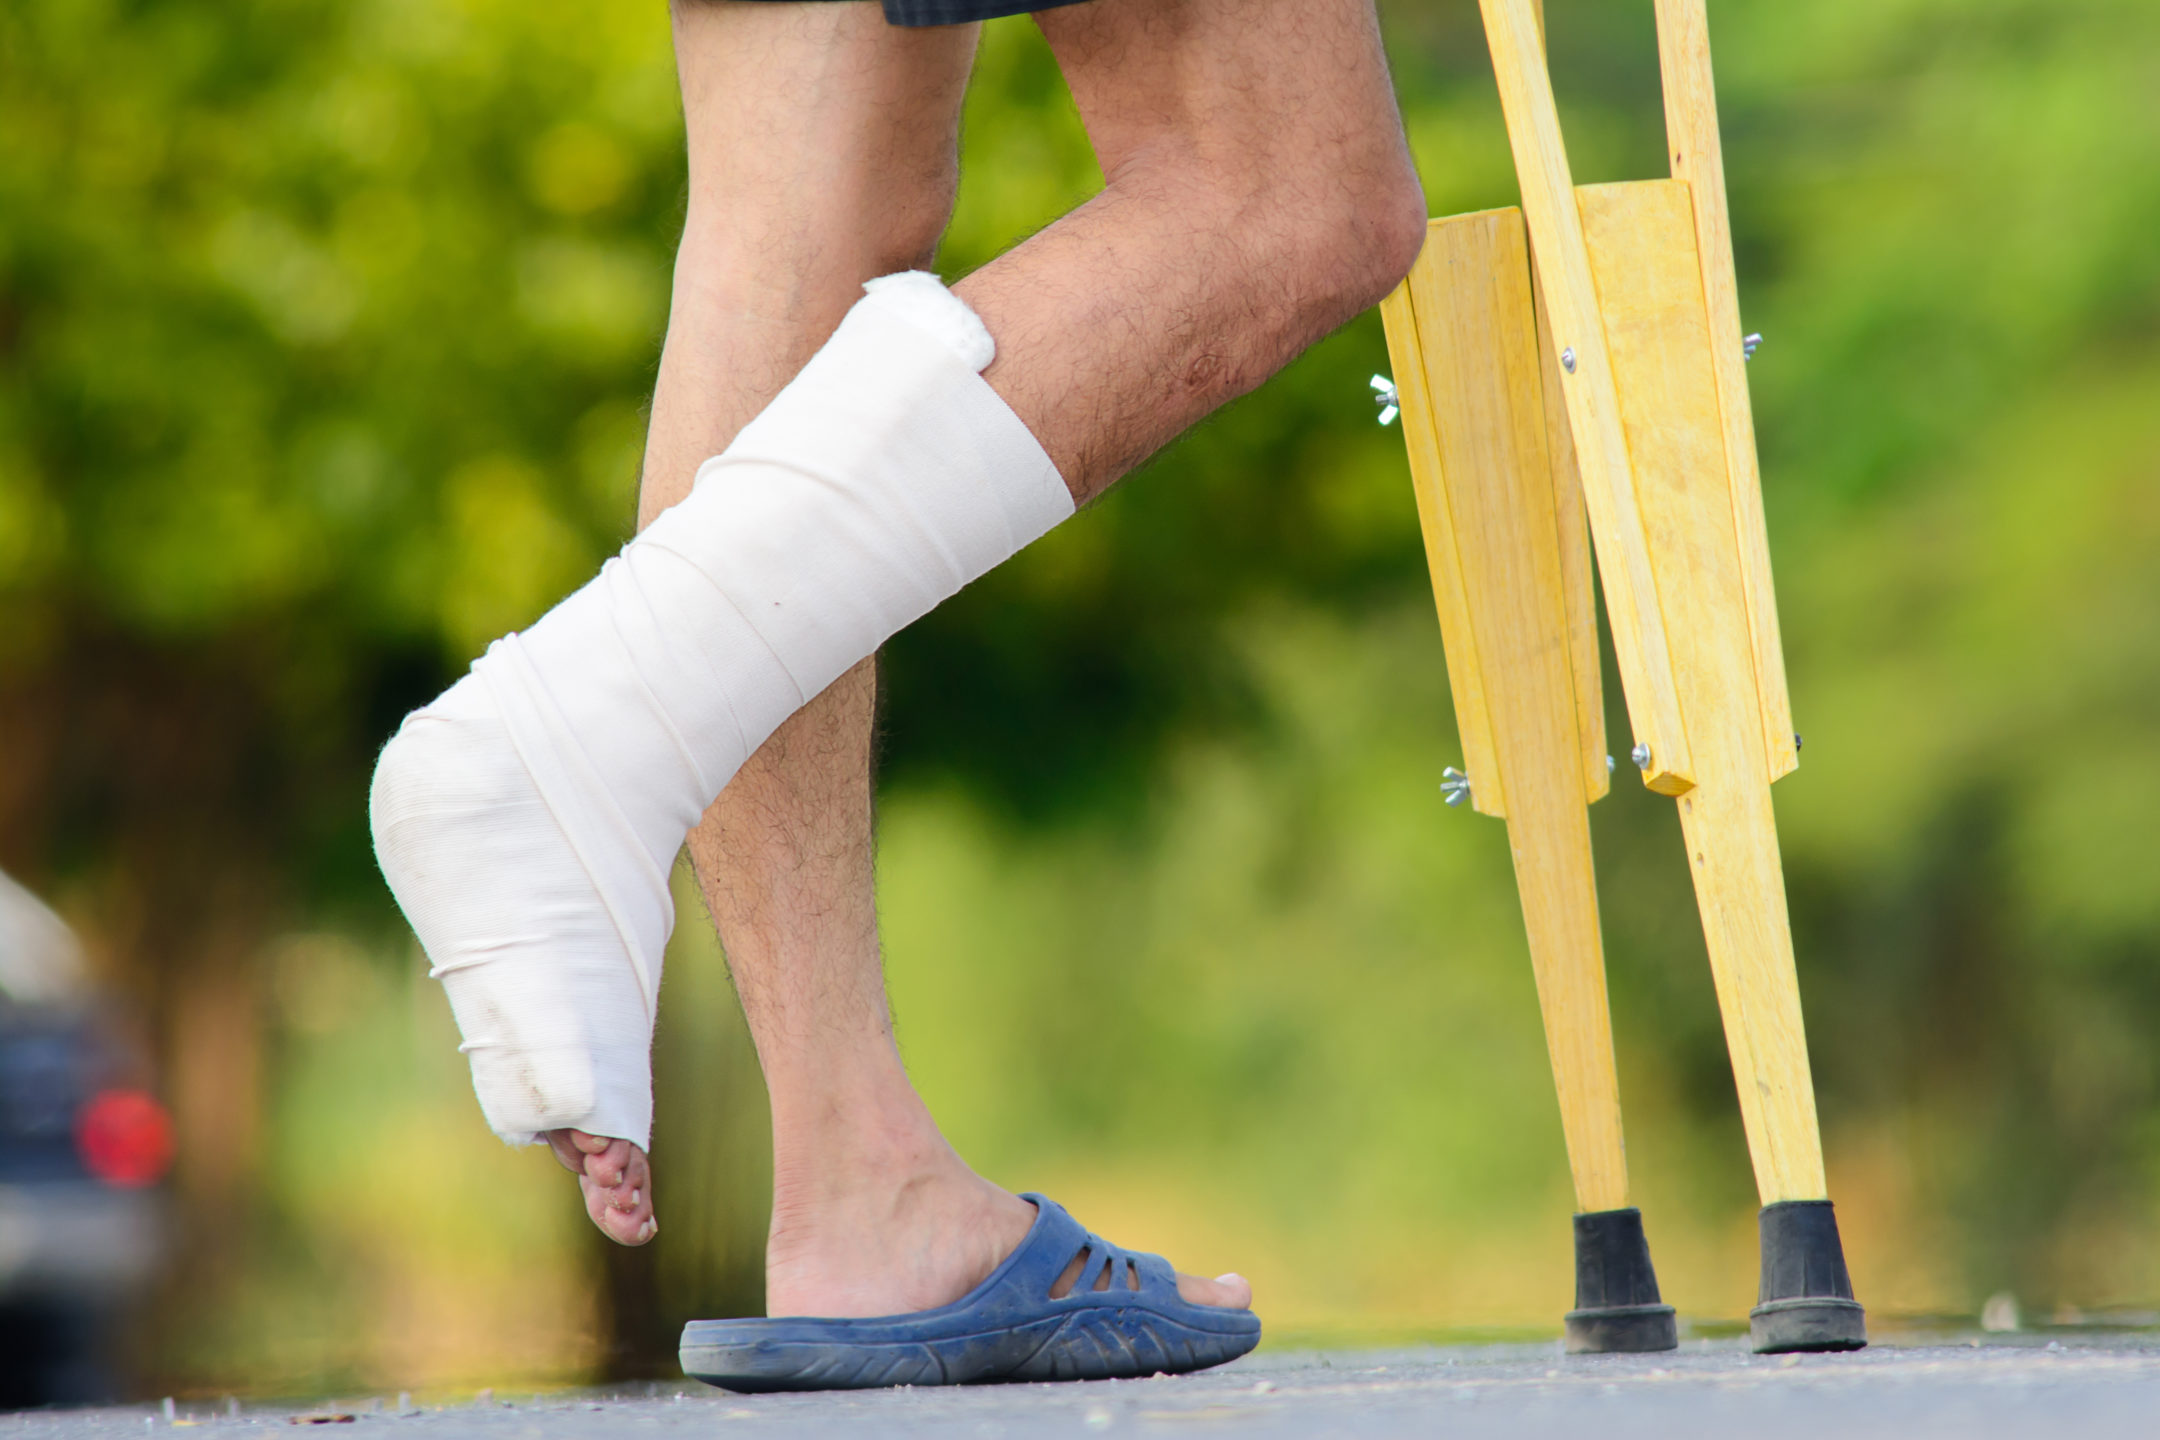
(526,820)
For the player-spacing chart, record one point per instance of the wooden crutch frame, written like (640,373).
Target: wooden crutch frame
(1582,357)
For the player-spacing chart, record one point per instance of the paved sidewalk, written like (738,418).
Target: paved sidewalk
(2072,1385)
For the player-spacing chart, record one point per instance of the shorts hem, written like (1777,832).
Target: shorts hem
(916,14)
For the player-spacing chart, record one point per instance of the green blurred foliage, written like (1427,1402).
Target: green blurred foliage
(325,336)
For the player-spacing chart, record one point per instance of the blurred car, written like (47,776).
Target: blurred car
(83,1145)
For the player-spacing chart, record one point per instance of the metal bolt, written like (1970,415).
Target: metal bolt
(1641,756)
(1796,743)
(1567,359)
(1454,785)
(1611,765)
(1749,344)
(1385,396)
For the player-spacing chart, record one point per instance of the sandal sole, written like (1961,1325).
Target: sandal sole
(1096,1342)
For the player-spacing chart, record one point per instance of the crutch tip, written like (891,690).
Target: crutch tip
(1617,1306)
(1806,1300)
(1782,1327)
(1622,1330)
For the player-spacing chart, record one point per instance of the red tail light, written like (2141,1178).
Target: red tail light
(125,1137)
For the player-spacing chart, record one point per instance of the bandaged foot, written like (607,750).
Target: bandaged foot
(527,820)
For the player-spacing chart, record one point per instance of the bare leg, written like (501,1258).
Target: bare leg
(1259,195)
(1226,241)
(822,153)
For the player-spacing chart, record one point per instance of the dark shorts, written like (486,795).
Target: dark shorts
(962,12)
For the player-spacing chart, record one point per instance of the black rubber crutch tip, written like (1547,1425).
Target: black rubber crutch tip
(1617,1307)
(1806,1301)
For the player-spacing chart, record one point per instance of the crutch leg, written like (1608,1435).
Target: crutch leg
(1514,615)
(1642,250)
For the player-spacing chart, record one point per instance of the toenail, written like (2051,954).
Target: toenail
(650,1228)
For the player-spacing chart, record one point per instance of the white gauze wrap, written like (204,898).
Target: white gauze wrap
(527,820)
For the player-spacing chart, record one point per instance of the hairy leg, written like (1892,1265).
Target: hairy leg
(1259,194)
(822,147)
(1225,241)
(822,153)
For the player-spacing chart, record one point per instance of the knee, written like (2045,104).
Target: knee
(1320,235)
(894,213)
(1397,233)
(1358,235)
(904,227)
(848,223)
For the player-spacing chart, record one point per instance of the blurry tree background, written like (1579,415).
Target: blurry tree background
(325,335)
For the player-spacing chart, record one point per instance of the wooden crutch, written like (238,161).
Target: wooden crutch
(1503,522)
(1645,397)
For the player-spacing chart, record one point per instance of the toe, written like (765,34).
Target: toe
(1230,1292)
(624,1227)
(616,1181)
(624,1215)
(578,1151)
(564,1144)
(609,1167)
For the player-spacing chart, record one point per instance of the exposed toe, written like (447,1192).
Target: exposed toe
(623,1215)
(1228,1292)
(616,1180)
(566,1150)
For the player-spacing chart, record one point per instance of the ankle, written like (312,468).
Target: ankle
(847,1126)
(851,1164)
(845,1100)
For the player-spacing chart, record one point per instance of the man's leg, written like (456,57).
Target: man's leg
(1259,195)
(789,213)
(823,153)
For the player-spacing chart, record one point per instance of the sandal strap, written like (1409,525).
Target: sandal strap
(1057,1238)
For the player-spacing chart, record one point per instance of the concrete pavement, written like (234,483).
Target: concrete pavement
(2071,1384)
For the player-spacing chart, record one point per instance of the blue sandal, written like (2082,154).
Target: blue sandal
(1008,1328)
